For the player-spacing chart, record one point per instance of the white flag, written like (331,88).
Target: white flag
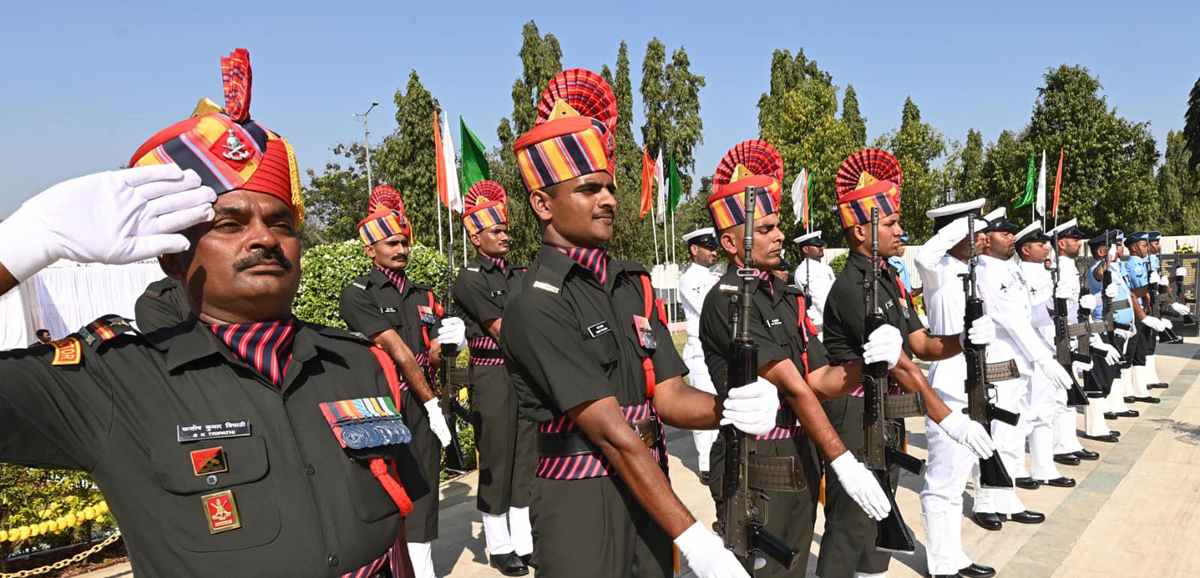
(453,191)
(800,194)
(1041,190)
(661,183)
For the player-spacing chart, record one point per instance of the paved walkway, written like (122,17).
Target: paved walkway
(1135,512)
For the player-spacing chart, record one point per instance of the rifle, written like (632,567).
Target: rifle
(1105,280)
(1062,339)
(979,387)
(1158,306)
(451,410)
(882,433)
(1180,297)
(744,505)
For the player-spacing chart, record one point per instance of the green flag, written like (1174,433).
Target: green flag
(474,160)
(1029,188)
(674,186)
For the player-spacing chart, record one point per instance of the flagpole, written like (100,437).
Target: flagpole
(654,230)
(441,249)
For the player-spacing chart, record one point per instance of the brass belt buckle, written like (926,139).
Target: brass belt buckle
(644,428)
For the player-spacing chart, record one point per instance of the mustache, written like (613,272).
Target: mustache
(261,255)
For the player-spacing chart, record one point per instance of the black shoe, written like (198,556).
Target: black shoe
(991,522)
(1111,438)
(1115,433)
(977,571)
(1156,386)
(1148,399)
(1027,483)
(1130,399)
(528,560)
(1060,482)
(1026,517)
(509,564)
(1110,415)
(1087,455)
(1129,413)
(1067,459)
(704,477)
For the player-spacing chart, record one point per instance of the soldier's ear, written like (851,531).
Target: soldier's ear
(370,251)
(730,239)
(539,201)
(172,265)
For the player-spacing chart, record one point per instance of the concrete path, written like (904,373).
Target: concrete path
(1135,512)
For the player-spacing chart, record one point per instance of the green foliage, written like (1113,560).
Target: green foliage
(31,495)
(327,269)
(970,182)
(854,120)
(799,117)
(1191,127)
(336,199)
(1179,210)
(671,101)
(838,263)
(629,232)
(917,145)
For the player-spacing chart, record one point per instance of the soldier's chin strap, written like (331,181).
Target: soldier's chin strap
(379,467)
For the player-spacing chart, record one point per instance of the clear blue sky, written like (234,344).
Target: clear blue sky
(87,82)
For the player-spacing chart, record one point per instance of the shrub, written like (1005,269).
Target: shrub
(837,263)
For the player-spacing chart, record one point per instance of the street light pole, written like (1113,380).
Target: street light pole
(367,141)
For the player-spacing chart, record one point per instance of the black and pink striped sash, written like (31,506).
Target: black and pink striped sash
(485,351)
(786,426)
(386,566)
(590,465)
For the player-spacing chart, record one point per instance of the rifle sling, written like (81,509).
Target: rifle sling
(1001,371)
(903,405)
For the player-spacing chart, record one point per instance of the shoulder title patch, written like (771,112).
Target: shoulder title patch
(67,351)
(546,287)
(105,328)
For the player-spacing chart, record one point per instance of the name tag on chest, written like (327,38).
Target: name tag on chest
(211,431)
(497,293)
(599,329)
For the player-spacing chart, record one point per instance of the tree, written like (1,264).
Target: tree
(1004,168)
(335,200)
(656,128)
(630,233)
(683,105)
(917,145)
(1177,184)
(799,117)
(853,119)
(1191,127)
(407,158)
(970,183)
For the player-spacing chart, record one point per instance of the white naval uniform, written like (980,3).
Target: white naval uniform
(1046,400)
(694,284)
(1006,301)
(1066,440)
(950,464)
(815,279)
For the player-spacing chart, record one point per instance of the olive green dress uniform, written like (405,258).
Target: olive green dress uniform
(371,305)
(849,541)
(505,442)
(567,341)
(163,304)
(774,326)
(110,401)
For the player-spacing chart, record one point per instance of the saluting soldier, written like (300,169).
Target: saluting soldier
(694,284)
(813,277)
(404,318)
(1046,400)
(1142,277)
(942,263)
(482,289)
(1066,440)
(790,357)
(593,365)
(162,304)
(871,179)
(223,444)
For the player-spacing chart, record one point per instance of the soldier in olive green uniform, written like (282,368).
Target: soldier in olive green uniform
(163,304)
(504,441)
(593,365)
(210,439)
(404,318)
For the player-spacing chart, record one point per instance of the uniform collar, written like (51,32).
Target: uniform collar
(382,279)
(490,264)
(191,341)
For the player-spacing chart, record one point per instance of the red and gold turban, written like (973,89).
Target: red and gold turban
(752,163)
(573,134)
(384,197)
(227,149)
(485,206)
(382,224)
(868,179)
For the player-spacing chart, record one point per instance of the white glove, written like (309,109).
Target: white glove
(1064,292)
(1163,281)
(817,317)
(884,344)
(114,217)
(1080,367)
(1154,278)
(752,407)
(1111,356)
(1180,272)
(983,331)
(1180,309)
(969,434)
(862,485)
(1055,372)
(1155,323)
(1087,301)
(437,422)
(706,554)
(1111,291)
(452,332)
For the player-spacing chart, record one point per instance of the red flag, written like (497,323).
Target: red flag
(437,151)
(647,182)
(1058,180)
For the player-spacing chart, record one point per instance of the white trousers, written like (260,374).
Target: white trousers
(508,532)
(421,554)
(1065,439)
(1045,403)
(1013,395)
(1152,370)
(949,467)
(698,378)
(1120,389)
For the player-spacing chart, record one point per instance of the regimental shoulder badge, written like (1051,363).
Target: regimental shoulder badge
(67,352)
(105,328)
(221,512)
